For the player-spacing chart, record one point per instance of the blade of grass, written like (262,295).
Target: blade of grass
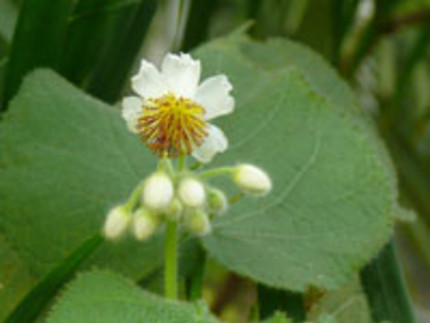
(343,13)
(199,19)
(111,74)
(41,295)
(103,39)
(272,300)
(8,17)
(367,38)
(385,289)
(37,41)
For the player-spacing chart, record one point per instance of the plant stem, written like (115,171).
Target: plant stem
(385,289)
(216,172)
(134,197)
(171,260)
(182,163)
(165,164)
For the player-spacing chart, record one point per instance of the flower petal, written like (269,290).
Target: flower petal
(213,95)
(215,142)
(148,82)
(182,74)
(131,111)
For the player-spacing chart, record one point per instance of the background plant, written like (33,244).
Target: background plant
(66,158)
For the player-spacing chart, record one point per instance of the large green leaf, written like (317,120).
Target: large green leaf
(65,160)
(334,196)
(106,297)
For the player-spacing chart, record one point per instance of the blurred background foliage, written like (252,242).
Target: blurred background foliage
(381,47)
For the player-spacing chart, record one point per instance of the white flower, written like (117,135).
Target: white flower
(172,109)
(116,222)
(252,179)
(157,191)
(144,224)
(191,192)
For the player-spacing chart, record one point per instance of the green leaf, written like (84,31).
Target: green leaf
(316,29)
(334,192)
(385,288)
(8,15)
(14,278)
(348,304)
(117,29)
(327,319)
(35,302)
(3,64)
(37,41)
(278,318)
(198,23)
(106,297)
(65,160)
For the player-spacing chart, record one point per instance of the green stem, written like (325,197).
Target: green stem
(182,163)
(385,289)
(165,164)
(216,172)
(171,260)
(134,197)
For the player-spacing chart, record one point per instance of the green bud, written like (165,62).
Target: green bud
(116,222)
(252,180)
(174,210)
(198,222)
(144,224)
(217,201)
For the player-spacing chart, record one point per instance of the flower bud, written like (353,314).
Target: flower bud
(116,223)
(198,222)
(252,179)
(157,191)
(174,210)
(144,224)
(191,192)
(217,201)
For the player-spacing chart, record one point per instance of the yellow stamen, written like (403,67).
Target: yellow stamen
(172,125)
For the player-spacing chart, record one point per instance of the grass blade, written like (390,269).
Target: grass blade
(385,289)
(35,302)
(103,40)
(37,40)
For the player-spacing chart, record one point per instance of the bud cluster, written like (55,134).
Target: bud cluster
(182,196)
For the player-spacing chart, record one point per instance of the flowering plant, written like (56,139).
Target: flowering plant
(235,178)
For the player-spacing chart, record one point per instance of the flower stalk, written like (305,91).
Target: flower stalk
(171,260)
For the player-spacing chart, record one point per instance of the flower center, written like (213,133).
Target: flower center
(172,125)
